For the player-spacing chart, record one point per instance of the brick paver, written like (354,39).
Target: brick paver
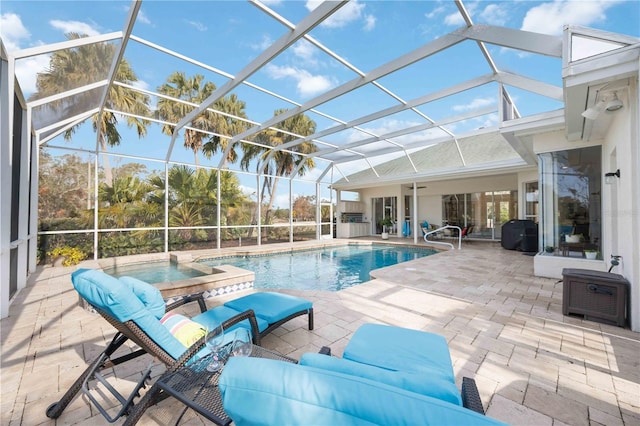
(504,326)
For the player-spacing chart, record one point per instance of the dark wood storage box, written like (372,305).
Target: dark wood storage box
(599,296)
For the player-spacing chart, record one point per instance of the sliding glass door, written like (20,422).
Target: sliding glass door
(381,208)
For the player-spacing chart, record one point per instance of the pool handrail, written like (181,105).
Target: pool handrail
(435,231)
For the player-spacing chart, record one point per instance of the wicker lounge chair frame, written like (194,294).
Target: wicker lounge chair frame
(129,330)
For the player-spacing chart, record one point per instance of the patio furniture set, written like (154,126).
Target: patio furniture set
(387,374)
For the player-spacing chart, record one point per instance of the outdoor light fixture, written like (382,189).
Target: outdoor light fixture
(603,105)
(609,177)
(593,112)
(614,104)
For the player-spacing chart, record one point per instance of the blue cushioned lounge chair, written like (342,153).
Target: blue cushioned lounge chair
(387,376)
(135,308)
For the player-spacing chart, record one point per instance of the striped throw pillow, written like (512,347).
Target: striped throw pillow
(186,331)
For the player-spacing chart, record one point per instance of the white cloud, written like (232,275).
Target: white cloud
(475,104)
(143,18)
(307,84)
(304,50)
(549,18)
(27,70)
(74,27)
(495,14)
(454,19)
(262,44)
(272,2)
(369,22)
(347,14)
(197,25)
(435,12)
(141,84)
(12,31)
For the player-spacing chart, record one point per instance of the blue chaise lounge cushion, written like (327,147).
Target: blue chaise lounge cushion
(149,295)
(119,301)
(259,391)
(272,307)
(400,349)
(435,385)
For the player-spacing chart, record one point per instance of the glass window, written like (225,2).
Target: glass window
(571,183)
(483,213)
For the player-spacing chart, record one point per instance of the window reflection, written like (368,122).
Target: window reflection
(571,189)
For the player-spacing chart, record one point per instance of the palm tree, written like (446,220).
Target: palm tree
(77,67)
(282,163)
(193,90)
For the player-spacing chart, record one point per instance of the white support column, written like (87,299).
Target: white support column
(318,213)
(34,156)
(259,209)
(414,223)
(23,201)
(6,124)
(218,210)
(290,210)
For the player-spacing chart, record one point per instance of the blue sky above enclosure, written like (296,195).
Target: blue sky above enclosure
(227,35)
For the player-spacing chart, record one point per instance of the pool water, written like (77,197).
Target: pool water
(154,272)
(329,269)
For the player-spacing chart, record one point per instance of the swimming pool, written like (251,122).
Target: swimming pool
(329,269)
(154,272)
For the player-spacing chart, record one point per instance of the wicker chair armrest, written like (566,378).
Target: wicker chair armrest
(471,396)
(197,297)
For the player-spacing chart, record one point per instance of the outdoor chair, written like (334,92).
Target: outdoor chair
(387,375)
(136,310)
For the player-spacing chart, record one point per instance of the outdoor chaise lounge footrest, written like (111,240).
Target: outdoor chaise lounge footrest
(274,308)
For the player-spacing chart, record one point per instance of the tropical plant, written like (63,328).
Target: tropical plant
(77,67)
(194,91)
(282,162)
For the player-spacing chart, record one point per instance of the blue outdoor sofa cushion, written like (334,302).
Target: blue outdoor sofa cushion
(400,349)
(434,385)
(259,391)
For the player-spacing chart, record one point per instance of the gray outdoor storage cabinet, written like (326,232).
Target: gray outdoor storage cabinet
(599,296)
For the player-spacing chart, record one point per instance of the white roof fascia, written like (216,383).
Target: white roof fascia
(69,44)
(485,169)
(313,19)
(618,63)
(527,41)
(543,122)
(428,49)
(531,85)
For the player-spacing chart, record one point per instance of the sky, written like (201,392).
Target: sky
(227,35)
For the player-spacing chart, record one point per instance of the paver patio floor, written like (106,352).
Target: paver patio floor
(505,328)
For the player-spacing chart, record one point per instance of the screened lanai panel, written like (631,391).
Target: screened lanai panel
(213,26)
(66,189)
(477,99)
(530,103)
(357,103)
(130,192)
(60,111)
(454,65)
(69,69)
